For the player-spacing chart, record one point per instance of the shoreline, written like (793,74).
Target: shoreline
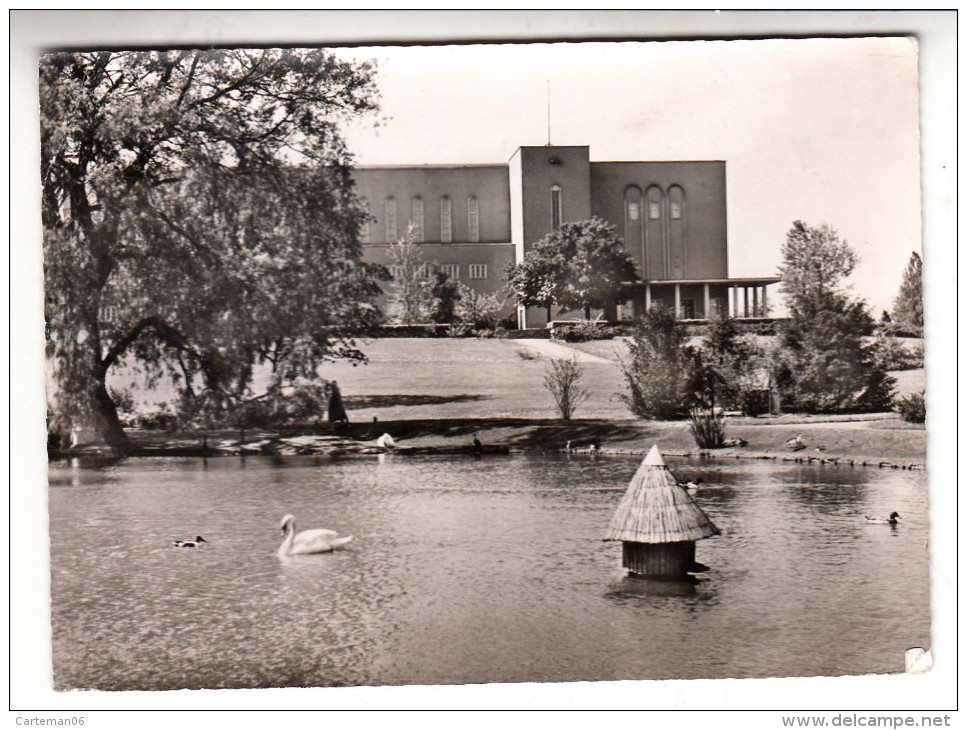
(868,440)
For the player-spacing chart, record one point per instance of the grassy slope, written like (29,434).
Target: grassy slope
(433,392)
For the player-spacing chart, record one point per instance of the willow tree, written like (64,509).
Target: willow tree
(199,219)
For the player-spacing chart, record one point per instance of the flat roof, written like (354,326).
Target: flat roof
(742,280)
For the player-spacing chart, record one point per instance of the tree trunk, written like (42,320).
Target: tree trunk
(105,413)
(587,311)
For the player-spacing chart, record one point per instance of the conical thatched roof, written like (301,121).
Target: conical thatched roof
(656,510)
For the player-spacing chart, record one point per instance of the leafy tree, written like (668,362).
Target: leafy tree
(409,300)
(661,372)
(533,281)
(814,263)
(908,305)
(580,265)
(444,296)
(823,364)
(199,219)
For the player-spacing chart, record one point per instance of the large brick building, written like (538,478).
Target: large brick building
(475,219)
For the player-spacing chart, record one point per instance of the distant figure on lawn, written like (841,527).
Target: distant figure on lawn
(337,414)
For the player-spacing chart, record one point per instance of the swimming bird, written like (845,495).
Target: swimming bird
(476,442)
(692,483)
(892,520)
(190,543)
(386,442)
(308,542)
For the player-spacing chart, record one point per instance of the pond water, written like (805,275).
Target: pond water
(471,570)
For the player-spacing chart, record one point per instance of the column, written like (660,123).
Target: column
(745,298)
(765,307)
(735,300)
(647,297)
(705,312)
(678,301)
(755,301)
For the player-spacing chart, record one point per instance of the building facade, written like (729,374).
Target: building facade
(474,220)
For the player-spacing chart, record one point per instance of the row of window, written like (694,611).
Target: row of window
(654,210)
(655,203)
(474,271)
(417,219)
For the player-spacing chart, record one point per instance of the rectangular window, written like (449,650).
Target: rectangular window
(446,221)
(633,211)
(473,219)
(451,270)
(391,220)
(418,219)
(478,271)
(423,272)
(396,271)
(654,210)
(675,209)
(556,211)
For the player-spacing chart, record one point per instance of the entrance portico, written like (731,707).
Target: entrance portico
(705,298)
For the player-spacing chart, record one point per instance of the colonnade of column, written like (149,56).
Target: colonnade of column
(753,300)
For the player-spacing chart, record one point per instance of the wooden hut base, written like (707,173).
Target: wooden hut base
(663,561)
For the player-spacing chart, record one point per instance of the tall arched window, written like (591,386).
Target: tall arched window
(473,219)
(557,213)
(656,244)
(677,233)
(634,237)
(391,230)
(417,205)
(446,220)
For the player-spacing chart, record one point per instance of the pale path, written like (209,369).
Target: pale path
(550,349)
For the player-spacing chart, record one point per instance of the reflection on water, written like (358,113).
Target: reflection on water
(471,570)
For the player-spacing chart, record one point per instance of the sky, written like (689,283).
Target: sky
(819,130)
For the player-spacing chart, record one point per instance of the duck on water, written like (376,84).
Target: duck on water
(893,519)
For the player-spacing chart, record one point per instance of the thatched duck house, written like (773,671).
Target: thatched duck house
(658,523)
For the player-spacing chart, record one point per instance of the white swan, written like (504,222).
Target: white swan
(386,442)
(308,542)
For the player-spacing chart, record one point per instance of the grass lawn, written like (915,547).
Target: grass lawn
(436,392)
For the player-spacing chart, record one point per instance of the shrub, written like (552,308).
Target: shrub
(732,368)
(562,379)
(480,311)
(912,408)
(583,331)
(707,428)
(660,372)
(890,354)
